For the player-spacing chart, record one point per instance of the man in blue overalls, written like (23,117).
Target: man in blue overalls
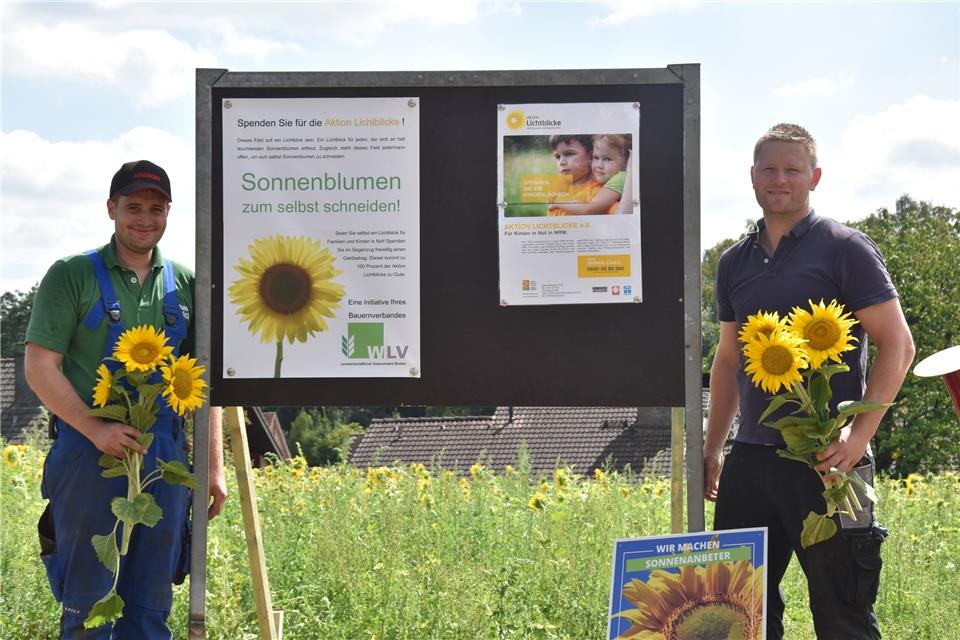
(83,304)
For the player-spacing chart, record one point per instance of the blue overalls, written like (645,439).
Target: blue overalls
(80,503)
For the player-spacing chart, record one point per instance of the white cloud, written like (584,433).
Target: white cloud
(912,147)
(238,44)
(127,60)
(622,11)
(819,86)
(54,196)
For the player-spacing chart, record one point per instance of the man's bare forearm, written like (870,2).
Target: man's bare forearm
(42,370)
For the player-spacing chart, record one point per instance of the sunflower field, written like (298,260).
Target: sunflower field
(417,553)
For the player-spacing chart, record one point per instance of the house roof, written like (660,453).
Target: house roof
(581,437)
(19,405)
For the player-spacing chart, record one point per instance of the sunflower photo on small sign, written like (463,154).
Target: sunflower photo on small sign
(689,586)
(286,290)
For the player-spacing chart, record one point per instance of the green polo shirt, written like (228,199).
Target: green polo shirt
(69,291)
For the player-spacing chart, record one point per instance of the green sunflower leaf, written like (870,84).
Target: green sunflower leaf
(816,528)
(148,393)
(778,401)
(108,461)
(792,421)
(141,510)
(145,440)
(797,441)
(866,489)
(820,394)
(107,551)
(143,417)
(830,370)
(176,473)
(853,407)
(805,458)
(139,378)
(114,472)
(108,609)
(114,412)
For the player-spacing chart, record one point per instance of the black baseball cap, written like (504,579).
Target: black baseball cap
(140,174)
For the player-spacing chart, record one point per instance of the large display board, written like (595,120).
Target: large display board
(467,339)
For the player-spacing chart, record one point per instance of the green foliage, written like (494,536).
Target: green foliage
(142,509)
(106,549)
(15,307)
(321,440)
(345,562)
(710,326)
(921,245)
(109,608)
(174,472)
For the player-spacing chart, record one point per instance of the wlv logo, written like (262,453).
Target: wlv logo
(364,340)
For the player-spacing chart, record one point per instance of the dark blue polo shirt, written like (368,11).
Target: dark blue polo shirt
(819,259)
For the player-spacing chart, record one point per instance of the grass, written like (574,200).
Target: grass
(412,553)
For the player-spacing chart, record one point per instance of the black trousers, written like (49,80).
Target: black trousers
(758,488)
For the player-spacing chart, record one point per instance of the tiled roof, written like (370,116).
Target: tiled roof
(581,437)
(19,405)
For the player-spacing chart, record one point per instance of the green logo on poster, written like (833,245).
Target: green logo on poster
(363,340)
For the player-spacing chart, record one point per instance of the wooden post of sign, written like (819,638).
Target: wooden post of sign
(268,619)
(676,469)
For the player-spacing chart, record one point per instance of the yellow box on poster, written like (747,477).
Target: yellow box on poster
(600,266)
(544,188)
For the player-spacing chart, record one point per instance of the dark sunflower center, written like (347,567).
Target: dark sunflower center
(144,353)
(776,360)
(182,383)
(714,617)
(285,288)
(821,334)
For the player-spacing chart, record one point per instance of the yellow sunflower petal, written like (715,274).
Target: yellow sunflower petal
(101,391)
(761,322)
(286,288)
(718,601)
(142,348)
(826,330)
(184,386)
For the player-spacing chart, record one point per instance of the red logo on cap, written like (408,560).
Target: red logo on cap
(147,175)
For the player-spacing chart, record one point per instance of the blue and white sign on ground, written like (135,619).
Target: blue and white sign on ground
(692,585)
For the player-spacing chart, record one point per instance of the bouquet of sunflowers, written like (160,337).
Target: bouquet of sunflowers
(130,395)
(795,353)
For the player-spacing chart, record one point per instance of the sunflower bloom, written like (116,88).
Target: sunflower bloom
(142,348)
(184,390)
(721,600)
(101,391)
(775,361)
(762,322)
(826,329)
(13,454)
(286,289)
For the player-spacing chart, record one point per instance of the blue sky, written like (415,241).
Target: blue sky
(86,86)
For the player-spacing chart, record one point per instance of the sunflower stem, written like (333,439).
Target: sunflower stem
(279,360)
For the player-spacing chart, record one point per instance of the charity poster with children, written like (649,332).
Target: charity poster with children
(690,585)
(569,203)
(321,237)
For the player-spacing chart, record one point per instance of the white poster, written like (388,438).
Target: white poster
(569,203)
(321,237)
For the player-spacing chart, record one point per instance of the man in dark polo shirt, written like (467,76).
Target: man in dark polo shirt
(794,256)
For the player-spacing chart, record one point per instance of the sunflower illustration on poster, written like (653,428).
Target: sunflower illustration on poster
(286,290)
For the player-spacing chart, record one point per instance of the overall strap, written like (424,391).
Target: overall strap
(109,304)
(175,325)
